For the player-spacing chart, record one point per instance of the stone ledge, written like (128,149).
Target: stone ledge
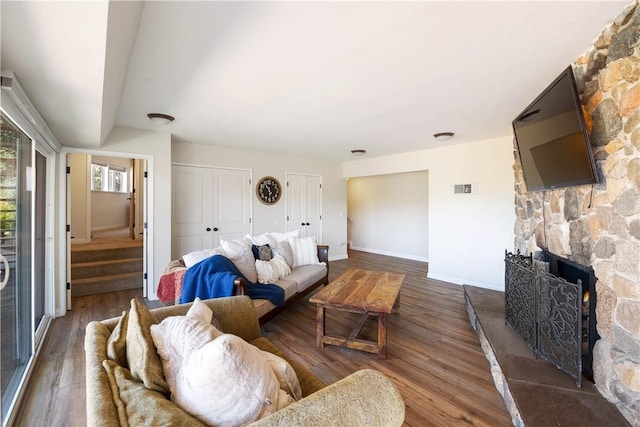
(536,393)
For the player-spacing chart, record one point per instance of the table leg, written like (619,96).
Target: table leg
(320,326)
(382,335)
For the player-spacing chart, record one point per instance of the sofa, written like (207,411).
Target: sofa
(307,271)
(366,397)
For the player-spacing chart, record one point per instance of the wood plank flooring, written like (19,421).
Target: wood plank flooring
(433,353)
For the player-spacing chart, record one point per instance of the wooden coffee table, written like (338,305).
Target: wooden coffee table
(372,293)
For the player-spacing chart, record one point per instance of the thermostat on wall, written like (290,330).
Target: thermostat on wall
(465,188)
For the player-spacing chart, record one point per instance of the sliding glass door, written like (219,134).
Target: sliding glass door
(17,181)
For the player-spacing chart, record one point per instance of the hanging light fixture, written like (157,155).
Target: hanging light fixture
(160,119)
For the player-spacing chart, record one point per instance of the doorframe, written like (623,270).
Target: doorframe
(64,249)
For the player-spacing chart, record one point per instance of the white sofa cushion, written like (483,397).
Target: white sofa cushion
(307,275)
(240,253)
(305,251)
(192,258)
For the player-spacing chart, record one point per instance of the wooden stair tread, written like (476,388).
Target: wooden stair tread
(106,262)
(106,278)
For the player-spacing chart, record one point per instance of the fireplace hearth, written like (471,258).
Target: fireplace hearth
(550,304)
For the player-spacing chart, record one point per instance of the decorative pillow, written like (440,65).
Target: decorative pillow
(192,258)
(262,252)
(271,271)
(117,342)
(142,358)
(229,382)
(201,311)
(304,250)
(239,252)
(283,237)
(284,249)
(175,338)
(286,375)
(139,406)
(262,239)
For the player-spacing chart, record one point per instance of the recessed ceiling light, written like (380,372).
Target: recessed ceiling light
(443,136)
(358,152)
(160,119)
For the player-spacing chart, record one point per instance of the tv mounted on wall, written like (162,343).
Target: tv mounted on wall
(552,138)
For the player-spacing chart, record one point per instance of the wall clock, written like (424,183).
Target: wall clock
(268,190)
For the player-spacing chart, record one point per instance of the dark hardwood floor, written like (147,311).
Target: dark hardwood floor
(433,354)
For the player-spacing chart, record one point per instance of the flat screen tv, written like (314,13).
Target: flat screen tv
(552,138)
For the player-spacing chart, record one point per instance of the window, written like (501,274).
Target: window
(105,177)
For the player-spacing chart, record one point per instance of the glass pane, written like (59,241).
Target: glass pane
(15,259)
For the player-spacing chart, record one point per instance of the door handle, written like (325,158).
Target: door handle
(208,228)
(215,228)
(307,224)
(5,279)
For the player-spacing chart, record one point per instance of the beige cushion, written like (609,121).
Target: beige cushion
(284,249)
(139,406)
(142,358)
(307,275)
(285,374)
(175,338)
(228,382)
(283,237)
(117,342)
(240,253)
(290,287)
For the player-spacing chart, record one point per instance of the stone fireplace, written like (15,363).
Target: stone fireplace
(599,226)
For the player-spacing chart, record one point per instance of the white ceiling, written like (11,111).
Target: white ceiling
(306,78)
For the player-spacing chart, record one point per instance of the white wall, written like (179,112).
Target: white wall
(272,218)
(467,233)
(388,214)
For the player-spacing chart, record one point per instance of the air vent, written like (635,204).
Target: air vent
(465,188)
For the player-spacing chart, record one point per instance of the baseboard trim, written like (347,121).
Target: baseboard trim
(387,253)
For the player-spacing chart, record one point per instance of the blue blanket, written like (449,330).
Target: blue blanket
(213,278)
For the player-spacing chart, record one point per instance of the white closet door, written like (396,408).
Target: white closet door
(191,209)
(232,204)
(304,204)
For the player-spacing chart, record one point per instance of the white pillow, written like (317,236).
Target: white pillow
(262,239)
(192,258)
(284,249)
(271,271)
(305,251)
(228,382)
(283,237)
(286,375)
(239,252)
(175,338)
(200,311)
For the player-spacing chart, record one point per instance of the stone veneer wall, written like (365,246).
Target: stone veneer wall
(599,225)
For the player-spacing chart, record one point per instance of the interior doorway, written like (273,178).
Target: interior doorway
(107,239)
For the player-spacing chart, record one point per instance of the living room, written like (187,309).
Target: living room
(460,249)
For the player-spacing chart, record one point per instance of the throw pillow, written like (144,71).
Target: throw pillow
(285,374)
(304,250)
(262,252)
(139,406)
(175,338)
(239,252)
(192,258)
(201,311)
(229,382)
(284,249)
(117,342)
(283,237)
(271,271)
(142,358)
(262,239)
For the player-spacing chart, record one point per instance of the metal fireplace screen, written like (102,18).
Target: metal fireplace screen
(546,312)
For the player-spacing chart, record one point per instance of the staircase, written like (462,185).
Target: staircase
(101,270)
